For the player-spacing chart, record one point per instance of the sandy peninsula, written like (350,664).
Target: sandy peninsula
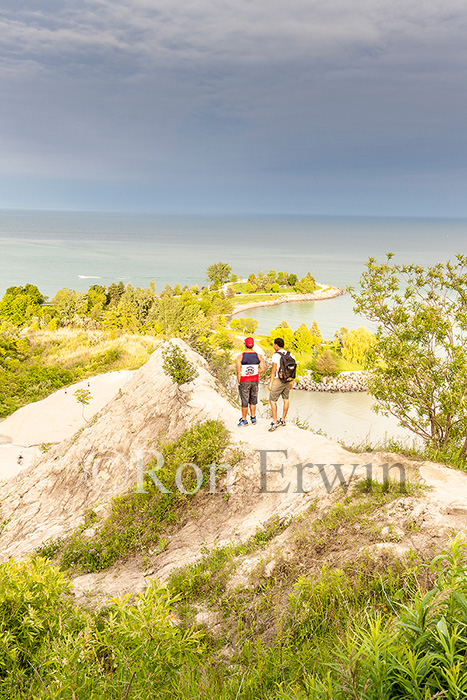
(325,292)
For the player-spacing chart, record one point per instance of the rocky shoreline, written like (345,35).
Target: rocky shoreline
(328,292)
(348,382)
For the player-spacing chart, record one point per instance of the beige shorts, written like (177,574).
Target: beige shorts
(278,389)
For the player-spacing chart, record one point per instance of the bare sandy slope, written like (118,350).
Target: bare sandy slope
(86,471)
(52,420)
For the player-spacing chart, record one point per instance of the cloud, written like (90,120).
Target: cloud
(241,32)
(241,92)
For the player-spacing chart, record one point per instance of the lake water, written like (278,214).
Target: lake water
(345,417)
(330,315)
(76,249)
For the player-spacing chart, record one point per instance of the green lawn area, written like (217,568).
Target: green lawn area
(347,366)
(262,296)
(242,287)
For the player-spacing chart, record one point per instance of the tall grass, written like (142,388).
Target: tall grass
(53,359)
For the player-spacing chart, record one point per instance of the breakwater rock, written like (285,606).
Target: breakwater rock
(344,382)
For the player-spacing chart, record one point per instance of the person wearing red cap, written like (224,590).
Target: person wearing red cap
(250,365)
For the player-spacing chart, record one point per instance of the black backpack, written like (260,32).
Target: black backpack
(288,367)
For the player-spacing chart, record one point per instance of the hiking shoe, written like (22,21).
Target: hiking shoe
(241,423)
(274,425)
(281,421)
(253,420)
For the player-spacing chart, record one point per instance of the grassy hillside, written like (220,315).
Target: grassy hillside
(303,609)
(34,365)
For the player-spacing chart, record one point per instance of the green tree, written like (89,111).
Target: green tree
(96,298)
(247,326)
(177,366)
(305,286)
(357,344)
(419,362)
(69,305)
(83,396)
(303,339)
(218,273)
(292,279)
(285,333)
(261,280)
(225,339)
(20,304)
(114,293)
(338,341)
(326,364)
(316,336)
(128,309)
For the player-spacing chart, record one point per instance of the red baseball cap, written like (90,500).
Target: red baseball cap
(249,342)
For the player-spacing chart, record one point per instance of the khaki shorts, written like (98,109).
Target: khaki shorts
(278,389)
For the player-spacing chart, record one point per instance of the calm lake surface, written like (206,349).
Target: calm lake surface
(330,315)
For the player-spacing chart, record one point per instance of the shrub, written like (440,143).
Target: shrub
(326,364)
(30,601)
(423,656)
(177,366)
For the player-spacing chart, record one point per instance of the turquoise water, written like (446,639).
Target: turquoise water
(346,417)
(330,315)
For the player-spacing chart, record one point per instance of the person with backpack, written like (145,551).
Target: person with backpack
(250,364)
(284,369)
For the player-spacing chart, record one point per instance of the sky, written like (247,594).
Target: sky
(334,107)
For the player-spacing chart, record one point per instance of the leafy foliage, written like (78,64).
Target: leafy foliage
(48,648)
(326,364)
(419,362)
(20,304)
(423,656)
(357,344)
(218,273)
(246,325)
(30,609)
(176,365)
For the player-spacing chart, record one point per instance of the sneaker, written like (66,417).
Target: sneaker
(241,423)
(253,420)
(281,421)
(274,425)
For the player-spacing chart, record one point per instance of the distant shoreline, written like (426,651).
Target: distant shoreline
(328,292)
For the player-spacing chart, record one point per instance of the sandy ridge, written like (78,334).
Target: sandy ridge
(51,497)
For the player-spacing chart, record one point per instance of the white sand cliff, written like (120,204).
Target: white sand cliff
(51,497)
(52,420)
